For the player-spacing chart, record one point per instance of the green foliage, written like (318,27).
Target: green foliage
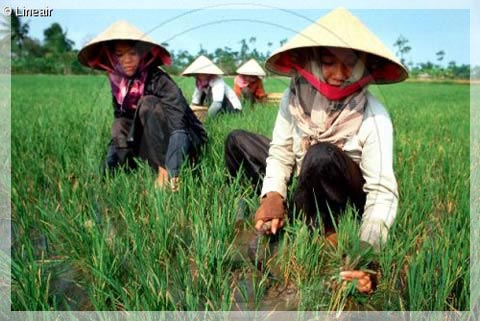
(130,247)
(403,47)
(440,55)
(55,55)
(430,70)
(56,40)
(19,33)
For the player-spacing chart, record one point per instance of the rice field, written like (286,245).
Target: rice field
(81,241)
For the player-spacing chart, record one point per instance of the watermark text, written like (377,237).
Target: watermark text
(27,12)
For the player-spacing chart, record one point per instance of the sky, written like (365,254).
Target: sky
(187,25)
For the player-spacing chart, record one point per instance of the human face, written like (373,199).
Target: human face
(249,78)
(203,77)
(337,65)
(128,57)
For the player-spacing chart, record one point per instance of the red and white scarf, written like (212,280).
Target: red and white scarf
(324,120)
(327,113)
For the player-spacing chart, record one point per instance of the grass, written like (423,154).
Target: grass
(129,247)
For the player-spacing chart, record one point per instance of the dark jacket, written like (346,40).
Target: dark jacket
(180,116)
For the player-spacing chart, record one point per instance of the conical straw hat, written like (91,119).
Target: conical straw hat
(202,65)
(340,28)
(120,30)
(251,68)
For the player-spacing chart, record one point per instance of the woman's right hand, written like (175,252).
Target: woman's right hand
(364,281)
(269,217)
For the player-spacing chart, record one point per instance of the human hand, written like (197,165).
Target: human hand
(364,281)
(164,181)
(269,217)
(269,227)
(175,184)
(162,178)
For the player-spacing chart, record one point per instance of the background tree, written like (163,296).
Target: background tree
(450,71)
(476,73)
(254,53)
(403,48)
(269,51)
(58,47)
(19,34)
(203,52)
(33,48)
(440,55)
(243,51)
(461,72)
(56,40)
(181,60)
(226,60)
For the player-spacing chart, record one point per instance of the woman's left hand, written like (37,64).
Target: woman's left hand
(364,282)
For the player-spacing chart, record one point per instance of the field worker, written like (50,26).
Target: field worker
(330,131)
(248,84)
(210,88)
(152,119)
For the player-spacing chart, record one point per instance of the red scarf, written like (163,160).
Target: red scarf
(285,64)
(333,92)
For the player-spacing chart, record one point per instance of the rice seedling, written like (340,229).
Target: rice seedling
(130,247)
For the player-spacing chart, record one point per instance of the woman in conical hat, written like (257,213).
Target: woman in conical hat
(330,131)
(152,119)
(248,83)
(210,88)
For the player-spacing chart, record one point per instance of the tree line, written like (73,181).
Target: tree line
(56,55)
(432,70)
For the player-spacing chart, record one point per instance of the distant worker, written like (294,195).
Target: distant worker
(248,85)
(210,88)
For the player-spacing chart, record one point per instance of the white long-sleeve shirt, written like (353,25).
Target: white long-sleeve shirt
(220,90)
(371,148)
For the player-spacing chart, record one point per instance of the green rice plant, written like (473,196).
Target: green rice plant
(350,254)
(301,256)
(30,282)
(131,247)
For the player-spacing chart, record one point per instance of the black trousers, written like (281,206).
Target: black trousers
(147,136)
(248,96)
(329,179)
(227,107)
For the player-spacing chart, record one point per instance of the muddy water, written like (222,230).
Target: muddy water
(66,290)
(258,283)
(262,286)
